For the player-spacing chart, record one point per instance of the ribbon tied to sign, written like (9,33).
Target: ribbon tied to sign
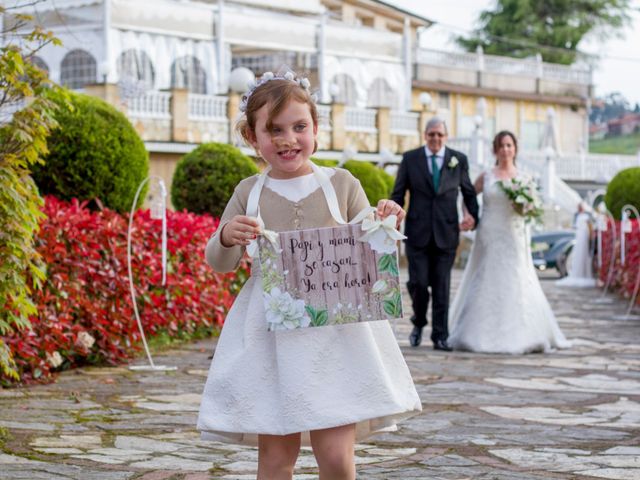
(388,225)
(381,235)
(270,235)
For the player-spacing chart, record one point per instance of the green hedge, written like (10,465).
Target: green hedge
(371,179)
(325,163)
(623,189)
(377,183)
(205,178)
(95,153)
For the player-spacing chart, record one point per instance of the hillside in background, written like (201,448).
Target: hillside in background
(623,145)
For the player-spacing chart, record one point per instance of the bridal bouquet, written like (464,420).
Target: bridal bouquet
(525,197)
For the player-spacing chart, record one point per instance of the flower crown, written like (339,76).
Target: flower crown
(303,82)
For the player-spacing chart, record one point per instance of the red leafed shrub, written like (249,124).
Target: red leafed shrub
(624,276)
(85,311)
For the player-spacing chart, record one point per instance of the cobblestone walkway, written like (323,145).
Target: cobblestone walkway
(568,415)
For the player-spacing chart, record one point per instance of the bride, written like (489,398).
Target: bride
(500,306)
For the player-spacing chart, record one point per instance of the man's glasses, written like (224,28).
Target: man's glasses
(435,134)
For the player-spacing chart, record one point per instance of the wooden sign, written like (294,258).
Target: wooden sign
(327,276)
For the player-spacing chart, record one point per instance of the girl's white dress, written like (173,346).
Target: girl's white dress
(500,306)
(283,382)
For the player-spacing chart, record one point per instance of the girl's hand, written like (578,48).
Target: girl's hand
(389,207)
(239,231)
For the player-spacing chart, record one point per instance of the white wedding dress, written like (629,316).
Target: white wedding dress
(580,271)
(500,306)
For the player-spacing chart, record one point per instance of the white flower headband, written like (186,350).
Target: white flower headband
(268,76)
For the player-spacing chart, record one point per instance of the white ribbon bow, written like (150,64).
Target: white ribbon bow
(253,248)
(370,226)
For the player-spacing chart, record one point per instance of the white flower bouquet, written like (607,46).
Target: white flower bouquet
(525,197)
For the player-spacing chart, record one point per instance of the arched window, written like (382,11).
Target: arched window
(135,66)
(187,72)
(345,90)
(78,69)
(380,94)
(40,63)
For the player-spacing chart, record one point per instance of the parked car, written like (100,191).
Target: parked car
(552,250)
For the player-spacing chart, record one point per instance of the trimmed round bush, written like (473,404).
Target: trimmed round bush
(325,163)
(94,153)
(623,189)
(371,179)
(205,178)
(376,183)
(389,180)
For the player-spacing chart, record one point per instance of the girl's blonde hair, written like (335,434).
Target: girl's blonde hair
(276,93)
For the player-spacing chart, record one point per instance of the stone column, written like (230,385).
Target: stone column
(108,92)
(425,116)
(233,111)
(180,115)
(383,123)
(338,120)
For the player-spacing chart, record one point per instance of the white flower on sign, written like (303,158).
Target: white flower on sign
(379,287)
(381,242)
(453,163)
(285,312)
(86,340)
(55,359)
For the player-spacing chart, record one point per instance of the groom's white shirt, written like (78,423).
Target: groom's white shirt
(439,158)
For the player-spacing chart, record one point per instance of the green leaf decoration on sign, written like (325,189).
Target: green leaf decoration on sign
(271,279)
(392,305)
(388,263)
(318,317)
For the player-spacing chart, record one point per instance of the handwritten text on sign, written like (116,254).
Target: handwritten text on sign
(326,276)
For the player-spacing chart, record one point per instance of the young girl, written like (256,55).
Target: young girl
(326,386)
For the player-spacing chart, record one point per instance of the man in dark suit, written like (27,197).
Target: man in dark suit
(433,174)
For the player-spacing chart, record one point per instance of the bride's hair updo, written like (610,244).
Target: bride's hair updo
(497,140)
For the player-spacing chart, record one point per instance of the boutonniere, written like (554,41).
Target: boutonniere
(453,163)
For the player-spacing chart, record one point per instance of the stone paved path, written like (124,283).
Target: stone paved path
(568,415)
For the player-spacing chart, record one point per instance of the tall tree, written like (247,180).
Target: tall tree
(553,28)
(26,118)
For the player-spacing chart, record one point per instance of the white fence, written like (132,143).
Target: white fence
(480,62)
(404,123)
(207,107)
(360,120)
(150,105)
(324,117)
(588,167)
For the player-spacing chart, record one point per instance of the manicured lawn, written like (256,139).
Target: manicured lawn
(627,145)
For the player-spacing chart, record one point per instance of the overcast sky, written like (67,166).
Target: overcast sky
(613,73)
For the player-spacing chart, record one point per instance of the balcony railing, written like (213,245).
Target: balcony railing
(360,119)
(150,105)
(467,61)
(405,123)
(324,117)
(479,62)
(589,167)
(207,107)
(575,167)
